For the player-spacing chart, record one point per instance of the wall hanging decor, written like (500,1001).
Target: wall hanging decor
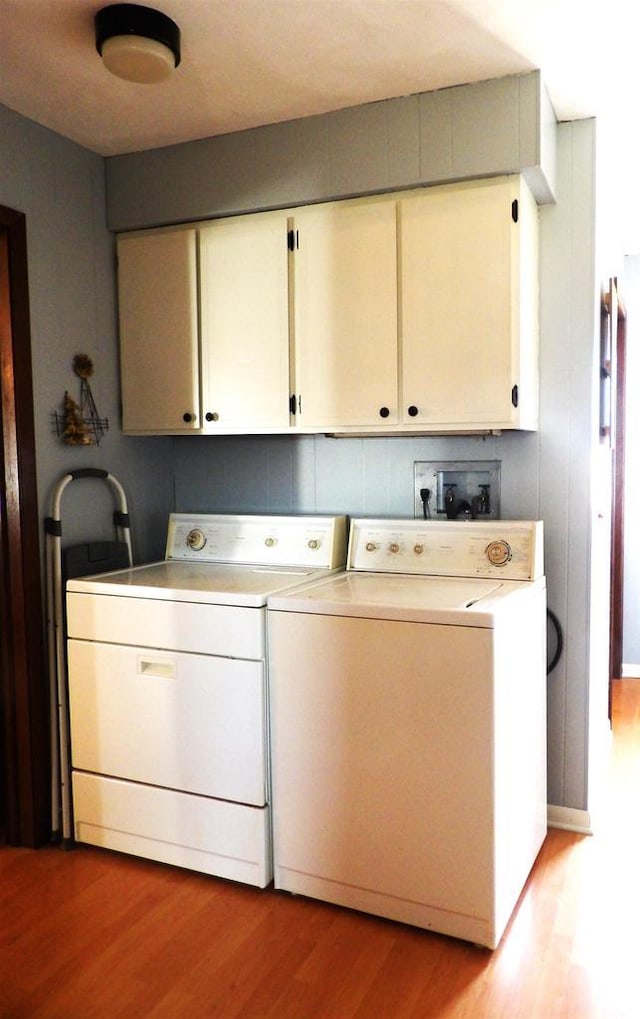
(79,424)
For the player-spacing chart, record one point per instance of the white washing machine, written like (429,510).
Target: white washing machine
(408,707)
(168,691)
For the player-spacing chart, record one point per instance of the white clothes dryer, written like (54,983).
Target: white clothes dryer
(168,690)
(408,707)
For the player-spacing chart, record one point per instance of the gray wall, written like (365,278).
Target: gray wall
(505,125)
(60,187)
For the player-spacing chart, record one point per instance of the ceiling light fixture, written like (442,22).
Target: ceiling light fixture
(137,43)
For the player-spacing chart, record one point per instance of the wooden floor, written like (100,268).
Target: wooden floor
(88,933)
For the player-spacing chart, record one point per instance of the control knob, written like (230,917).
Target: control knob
(498,552)
(196,539)
(313,544)
(270,542)
(394,548)
(371,546)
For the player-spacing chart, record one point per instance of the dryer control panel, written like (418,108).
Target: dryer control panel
(511,550)
(259,540)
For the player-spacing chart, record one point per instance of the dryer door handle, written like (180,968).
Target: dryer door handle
(160,668)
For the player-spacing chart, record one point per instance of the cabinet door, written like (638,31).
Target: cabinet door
(245,323)
(459,331)
(158,301)
(346,315)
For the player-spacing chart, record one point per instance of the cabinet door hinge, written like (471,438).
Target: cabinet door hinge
(292,403)
(514,210)
(514,396)
(293,240)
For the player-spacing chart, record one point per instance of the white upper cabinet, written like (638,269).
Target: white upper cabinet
(346,315)
(245,323)
(468,300)
(158,302)
(415,312)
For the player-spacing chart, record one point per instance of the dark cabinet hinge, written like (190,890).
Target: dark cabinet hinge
(293,239)
(292,403)
(514,396)
(514,210)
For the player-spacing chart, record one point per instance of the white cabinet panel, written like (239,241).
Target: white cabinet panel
(346,315)
(462,301)
(245,323)
(158,302)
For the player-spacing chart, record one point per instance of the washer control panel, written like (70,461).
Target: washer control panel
(510,549)
(258,540)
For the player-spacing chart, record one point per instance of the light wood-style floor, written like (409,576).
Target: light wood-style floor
(88,934)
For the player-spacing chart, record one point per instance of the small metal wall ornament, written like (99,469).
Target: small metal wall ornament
(80,424)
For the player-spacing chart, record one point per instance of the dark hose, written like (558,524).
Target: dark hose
(555,622)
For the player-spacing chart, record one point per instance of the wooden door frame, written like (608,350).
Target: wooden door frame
(24,697)
(617,323)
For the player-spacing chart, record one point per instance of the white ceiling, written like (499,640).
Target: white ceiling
(252,62)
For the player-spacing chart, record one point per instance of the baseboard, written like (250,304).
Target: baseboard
(630,671)
(569,819)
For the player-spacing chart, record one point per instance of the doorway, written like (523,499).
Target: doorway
(613,373)
(24,709)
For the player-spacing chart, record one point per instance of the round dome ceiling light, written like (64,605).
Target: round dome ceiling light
(137,43)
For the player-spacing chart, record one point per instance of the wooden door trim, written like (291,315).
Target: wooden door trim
(24,688)
(617,314)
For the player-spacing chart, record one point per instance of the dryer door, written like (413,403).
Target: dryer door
(188,722)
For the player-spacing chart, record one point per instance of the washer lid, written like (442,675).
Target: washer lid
(451,600)
(212,583)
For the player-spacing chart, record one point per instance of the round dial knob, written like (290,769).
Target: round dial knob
(270,542)
(313,544)
(499,552)
(394,548)
(371,546)
(418,549)
(196,539)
